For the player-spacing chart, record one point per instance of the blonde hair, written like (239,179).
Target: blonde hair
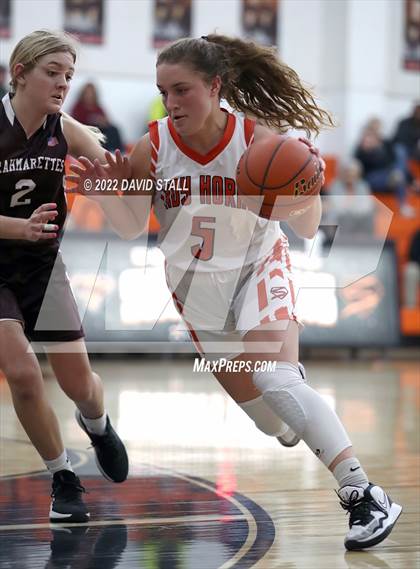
(35,45)
(254,80)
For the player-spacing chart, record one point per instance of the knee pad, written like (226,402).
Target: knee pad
(303,409)
(275,387)
(264,418)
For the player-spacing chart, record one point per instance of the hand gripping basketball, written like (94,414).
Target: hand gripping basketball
(278,176)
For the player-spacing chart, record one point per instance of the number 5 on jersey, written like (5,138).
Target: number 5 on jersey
(205,251)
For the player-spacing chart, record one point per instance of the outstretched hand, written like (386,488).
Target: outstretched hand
(90,177)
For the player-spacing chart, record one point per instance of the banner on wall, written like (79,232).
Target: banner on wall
(4,18)
(412,35)
(172,21)
(84,19)
(259,21)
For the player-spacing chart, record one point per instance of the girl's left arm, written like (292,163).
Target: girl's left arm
(305,225)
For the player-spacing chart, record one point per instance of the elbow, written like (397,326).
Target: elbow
(306,231)
(309,233)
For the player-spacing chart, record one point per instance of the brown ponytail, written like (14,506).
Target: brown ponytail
(254,80)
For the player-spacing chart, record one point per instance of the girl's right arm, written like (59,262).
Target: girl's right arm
(138,199)
(127,213)
(35,228)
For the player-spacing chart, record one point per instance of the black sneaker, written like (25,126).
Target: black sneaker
(67,504)
(372,515)
(110,454)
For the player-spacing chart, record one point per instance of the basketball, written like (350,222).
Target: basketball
(277,176)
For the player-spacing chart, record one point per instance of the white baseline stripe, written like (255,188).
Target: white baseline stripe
(128,522)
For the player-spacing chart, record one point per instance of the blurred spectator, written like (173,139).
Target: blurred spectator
(88,110)
(383,168)
(411,275)
(407,146)
(348,203)
(408,134)
(3,87)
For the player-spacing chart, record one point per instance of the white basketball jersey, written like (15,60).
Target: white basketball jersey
(200,213)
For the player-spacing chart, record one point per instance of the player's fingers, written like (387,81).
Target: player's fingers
(48,216)
(75,169)
(44,231)
(99,169)
(86,163)
(309,144)
(119,157)
(45,207)
(43,217)
(38,226)
(48,236)
(305,140)
(110,158)
(49,227)
(36,218)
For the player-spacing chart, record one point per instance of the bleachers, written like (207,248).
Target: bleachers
(401,231)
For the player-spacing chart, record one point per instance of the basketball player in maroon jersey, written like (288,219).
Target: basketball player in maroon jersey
(220,263)
(35,138)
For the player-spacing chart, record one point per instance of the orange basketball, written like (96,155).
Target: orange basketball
(277,176)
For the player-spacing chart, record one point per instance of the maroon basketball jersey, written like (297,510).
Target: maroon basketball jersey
(31,173)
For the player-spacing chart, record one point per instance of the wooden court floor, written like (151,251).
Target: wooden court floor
(206,489)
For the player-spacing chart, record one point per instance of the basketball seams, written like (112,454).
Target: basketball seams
(268,164)
(273,155)
(293,177)
(261,186)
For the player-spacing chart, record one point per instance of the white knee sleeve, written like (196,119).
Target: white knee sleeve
(304,410)
(264,418)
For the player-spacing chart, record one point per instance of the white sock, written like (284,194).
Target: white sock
(95,426)
(349,472)
(60,463)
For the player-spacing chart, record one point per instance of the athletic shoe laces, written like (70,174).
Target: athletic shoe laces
(358,508)
(67,488)
(108,440)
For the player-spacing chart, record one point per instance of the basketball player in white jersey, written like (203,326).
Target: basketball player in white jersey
(229,272)
(35,137)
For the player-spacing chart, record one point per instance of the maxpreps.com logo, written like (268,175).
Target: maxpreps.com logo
(278,292)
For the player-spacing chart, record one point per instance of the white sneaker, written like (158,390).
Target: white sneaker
(289,438)
(372,515)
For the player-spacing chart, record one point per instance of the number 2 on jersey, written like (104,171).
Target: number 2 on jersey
(205,251)
(29,186)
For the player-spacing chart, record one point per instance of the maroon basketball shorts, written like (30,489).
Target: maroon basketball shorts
(39,295)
